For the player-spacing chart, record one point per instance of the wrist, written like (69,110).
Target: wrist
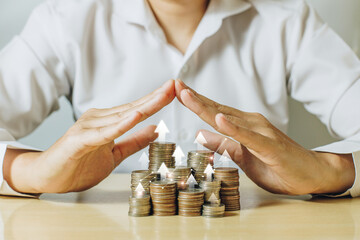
(338,173)
(20,171)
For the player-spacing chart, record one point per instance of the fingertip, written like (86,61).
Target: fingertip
(136,116)
(222,122)
(151,129)
(169,87)
(168,83)
(220,117)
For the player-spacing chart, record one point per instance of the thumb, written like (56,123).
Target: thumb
(134,143)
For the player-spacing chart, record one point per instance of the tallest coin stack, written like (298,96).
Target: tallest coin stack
(160,153)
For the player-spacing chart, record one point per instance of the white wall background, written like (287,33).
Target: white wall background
(342,15)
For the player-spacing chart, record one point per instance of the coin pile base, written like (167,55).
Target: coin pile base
(139,207)
(190,202)
(163,195)
(213,210)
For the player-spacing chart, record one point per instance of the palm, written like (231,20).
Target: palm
(93,168)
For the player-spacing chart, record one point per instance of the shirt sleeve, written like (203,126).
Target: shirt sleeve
(324,74)
(32,78)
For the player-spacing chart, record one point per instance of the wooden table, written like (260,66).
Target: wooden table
(101,213)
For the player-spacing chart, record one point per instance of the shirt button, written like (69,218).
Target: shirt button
(183,135)
(185,68)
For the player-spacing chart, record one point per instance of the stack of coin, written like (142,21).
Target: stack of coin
(229,191)
(144,177)
(198,160)
(161,153)
(213,210)
(179,175)
(163,196)
(139,207)
(211,188)
(190,202)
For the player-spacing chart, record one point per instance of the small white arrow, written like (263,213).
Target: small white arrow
(191,182)
(163,170)
(139,190)
(209,171)
(225,159)
(144,160)
(213,199)
(162,130)
(200,141)
(178,154)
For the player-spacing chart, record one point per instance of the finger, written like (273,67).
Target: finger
(180,86)
(103,135)
(146,109)
(207,112)
(166,91)
(237,152)
(219,143)
(246,137)
(134,143)
(204,111)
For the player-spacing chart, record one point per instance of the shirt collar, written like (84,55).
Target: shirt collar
(139,12)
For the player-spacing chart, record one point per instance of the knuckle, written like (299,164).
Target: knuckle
(130,105)
(220,107)
(258,115)
(238,154)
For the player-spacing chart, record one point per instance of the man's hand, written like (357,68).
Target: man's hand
(268,157)
(87,154)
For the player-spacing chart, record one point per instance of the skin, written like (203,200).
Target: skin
(87,153)
(267,156)
(179,19)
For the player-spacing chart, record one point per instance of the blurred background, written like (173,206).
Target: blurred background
(342,15)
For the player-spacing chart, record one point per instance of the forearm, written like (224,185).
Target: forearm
(18,170)
(338,175)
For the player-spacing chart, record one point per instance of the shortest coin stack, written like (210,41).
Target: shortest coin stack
(139,207)
(190,202)
(213,210)
(163,196)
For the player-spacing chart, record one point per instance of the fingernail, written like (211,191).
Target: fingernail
(221,115)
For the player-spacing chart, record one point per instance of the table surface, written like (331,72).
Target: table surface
(101,213)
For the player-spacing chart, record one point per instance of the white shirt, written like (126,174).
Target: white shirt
(246,54)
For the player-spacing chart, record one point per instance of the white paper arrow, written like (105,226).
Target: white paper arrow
(213,199)
(200,141)
(140,191)
(162,130)
(225,159)
(209,171)
(178,154)
(144,160)
(163,170)
(191,182)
